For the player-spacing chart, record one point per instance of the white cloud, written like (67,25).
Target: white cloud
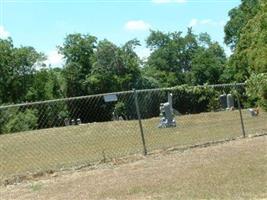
(208,22)
(168,1)
(4,34)
(193,23)
(54,59)
(137,25)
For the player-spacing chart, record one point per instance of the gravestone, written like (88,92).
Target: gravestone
(72,122)
(78,121)
(166,113)
(66,122)
(223,101)
(230,102)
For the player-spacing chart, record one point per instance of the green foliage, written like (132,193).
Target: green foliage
(239,18)
(252,46)
(20,121)
(257,89)
(17,68)
(264,97)
(171,56)
(5,116)
(186,99)
(246,33)
(47,84)
(78,50)
(120,110)
(208,64)
(177,59)
(52,115)
(114,68)
(192,99)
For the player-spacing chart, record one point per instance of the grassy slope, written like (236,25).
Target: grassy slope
(72,146)
(234,170)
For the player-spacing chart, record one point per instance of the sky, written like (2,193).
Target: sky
(44,24)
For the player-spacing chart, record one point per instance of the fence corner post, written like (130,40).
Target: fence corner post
(140,121)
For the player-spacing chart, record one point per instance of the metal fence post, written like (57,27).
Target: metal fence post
(140,122)
(240,113)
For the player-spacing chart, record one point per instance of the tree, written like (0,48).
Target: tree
(18,121)
(17,67)
(78,50)
(168,61)
(6,51)
(251,49)
(177,60)
(208,64)
(106,59)
(239,17)
(115,68)
(24,65)
(257,89)
(46,85)
(246,34)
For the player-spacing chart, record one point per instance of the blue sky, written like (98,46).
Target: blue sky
(43,24)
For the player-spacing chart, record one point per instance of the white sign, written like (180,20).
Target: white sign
(110,98)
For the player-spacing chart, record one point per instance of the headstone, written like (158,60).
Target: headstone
(72,122)
(66,122)
(166,113)
(78,121)
(223,101)
(230,102)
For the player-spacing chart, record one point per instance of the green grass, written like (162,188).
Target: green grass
(66,147)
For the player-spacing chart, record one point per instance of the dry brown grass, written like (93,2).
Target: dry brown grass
(233,170)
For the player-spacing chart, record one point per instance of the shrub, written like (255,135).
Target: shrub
(257,89)
(21,121)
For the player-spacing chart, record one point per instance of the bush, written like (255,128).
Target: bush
(120,110)
(20,121)
(257,89)
(193,99)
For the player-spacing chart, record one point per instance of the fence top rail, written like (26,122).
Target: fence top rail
(113,93)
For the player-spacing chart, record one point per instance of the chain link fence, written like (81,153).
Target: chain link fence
(71,132)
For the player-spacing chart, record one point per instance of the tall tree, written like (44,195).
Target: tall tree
(189,59)
(208,64)
(78,50)
(239,17)
(25,63)
(115,68)
(17,68)
(6,56)
(168,61)
(46,85)
(250,41)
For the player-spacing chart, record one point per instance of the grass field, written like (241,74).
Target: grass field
(72,146)
(233,170)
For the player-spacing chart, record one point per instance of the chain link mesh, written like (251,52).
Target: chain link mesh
(65,133)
